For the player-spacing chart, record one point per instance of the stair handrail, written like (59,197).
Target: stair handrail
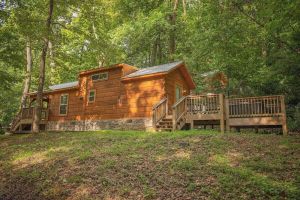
(159,110)
(177,113)
(16,120)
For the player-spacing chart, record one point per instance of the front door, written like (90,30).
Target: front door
(178,92)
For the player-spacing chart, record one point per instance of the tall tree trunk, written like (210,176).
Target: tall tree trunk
(184,7)
(154,52)
(39,95)
(27,81)
(172,42)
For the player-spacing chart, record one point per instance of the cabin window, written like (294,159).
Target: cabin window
(100,76)
(92,95)
(63,107)
(178,92)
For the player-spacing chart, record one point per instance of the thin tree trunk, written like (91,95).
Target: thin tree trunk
(159,50)
(172,43)
(39,95)
(154,52)
(27,81)
(184,7)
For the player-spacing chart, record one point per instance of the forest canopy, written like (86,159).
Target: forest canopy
(255,43)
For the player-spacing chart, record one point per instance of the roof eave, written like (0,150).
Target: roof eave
(144,76)
(53,91)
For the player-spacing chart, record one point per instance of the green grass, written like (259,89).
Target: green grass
(140,165)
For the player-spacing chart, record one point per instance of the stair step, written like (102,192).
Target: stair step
(169,127)
(166,120)
(164,129)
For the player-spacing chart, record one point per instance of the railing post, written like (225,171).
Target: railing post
(174,119)
(167,107)
(153,117)
(284,125)
(222,117)
(227,128)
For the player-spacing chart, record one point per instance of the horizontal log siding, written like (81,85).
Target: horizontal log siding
(141,95)
(171,80)
(106,104)
(75,106)
(114,99)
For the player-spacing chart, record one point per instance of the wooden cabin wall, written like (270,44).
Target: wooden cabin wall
(171,80)
(108,92)
(141,95)
(75,107)
(114,99)
(117,99)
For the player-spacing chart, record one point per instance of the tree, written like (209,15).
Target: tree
(39,94)
(27,80)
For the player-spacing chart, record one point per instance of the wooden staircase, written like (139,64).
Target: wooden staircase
(164,121)
(165,124)
(15,124)
(24,118)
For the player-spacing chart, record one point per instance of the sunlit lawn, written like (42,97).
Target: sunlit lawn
(139,165)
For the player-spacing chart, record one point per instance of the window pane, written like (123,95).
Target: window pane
(92,96)
(100,76)
(95,77)
(91,99)
(64,99)
(63,109)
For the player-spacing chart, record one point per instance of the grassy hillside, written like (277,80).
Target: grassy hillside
(138,165)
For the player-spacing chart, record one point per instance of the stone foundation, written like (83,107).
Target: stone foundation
(144,124)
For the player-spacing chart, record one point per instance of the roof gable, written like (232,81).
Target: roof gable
(163,70)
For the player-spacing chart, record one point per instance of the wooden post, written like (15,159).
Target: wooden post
(174,120)
(192,124)
(222,117)
(283,112)
(167,109)
(227,114)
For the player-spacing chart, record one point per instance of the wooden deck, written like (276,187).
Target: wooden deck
(229,113)
(23,120)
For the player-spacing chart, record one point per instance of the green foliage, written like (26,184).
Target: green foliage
(255,43)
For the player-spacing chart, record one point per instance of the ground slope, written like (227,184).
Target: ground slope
(138,165)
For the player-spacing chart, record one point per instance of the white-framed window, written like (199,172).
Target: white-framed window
(100,76)
(63,106)
(92,95)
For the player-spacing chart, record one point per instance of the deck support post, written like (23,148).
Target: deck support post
(222,116)
(227,128)
(284,125)
(192,124)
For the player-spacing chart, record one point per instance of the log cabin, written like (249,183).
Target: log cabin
(158,98)
(115,97)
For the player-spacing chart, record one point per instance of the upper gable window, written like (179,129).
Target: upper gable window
(100,76)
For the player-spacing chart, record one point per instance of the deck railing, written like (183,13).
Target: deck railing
(255,106)
(227,110)
(203,104)
(160,110)
(179,111)
(27,113)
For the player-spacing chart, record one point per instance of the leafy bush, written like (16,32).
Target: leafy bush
(293,114)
